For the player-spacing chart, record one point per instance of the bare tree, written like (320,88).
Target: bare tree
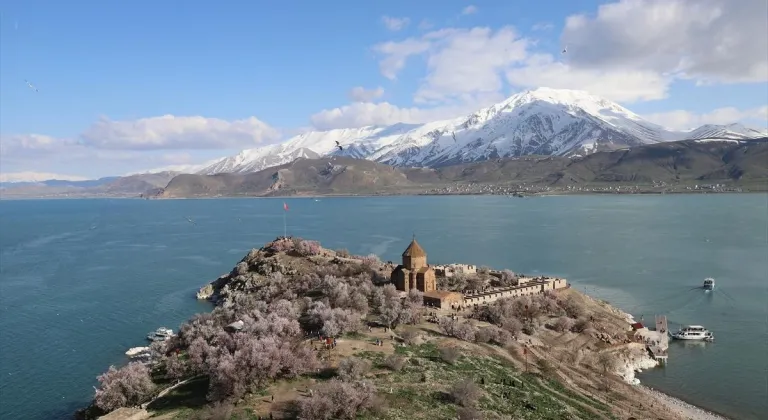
(450,354)
(353,369)
(465,393)
(394,362)
(124,387)
(340,400)
(563,324)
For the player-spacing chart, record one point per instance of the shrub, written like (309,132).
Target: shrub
(176,368)
(465,393)
(546,368)
(563,324)
(370,260)
(462,330)
(353,368)
(529,328)
(394,362)
(581,325)
(469,413)
(216,411)
(500,336)
(309,248)
(572,308)
(125,387)
(343,253)
(484,335)
(281,245)
(410,337)
(450,354)
(508,278)
(340,400)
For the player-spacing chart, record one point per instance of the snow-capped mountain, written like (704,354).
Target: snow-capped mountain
(729,132)
(543,121)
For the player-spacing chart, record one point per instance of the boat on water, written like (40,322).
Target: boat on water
(137,351)
(709,284)
(160,334)
(693,332)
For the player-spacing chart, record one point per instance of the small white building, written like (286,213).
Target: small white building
(449,270)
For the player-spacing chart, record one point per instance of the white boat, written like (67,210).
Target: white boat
(693,332)
(709,284)
(161,334)
(136,351)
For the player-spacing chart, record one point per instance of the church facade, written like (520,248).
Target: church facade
(414,272)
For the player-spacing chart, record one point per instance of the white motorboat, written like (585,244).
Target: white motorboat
(693,332)
(161,334)
(709,284)
(135,351)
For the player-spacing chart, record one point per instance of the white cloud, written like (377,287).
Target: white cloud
(384,113)
(459,61)
(171,132)
(684,120)
(469,10)
(618,85)
(29,176)
(706,40)
(395,24)
(396,54)
(361,94)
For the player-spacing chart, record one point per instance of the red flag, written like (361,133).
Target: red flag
(285,206)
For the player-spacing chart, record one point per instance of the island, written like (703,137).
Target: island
(299,331)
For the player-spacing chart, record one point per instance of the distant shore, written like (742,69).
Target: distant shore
(399,194)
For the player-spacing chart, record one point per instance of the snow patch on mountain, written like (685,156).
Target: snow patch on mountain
(543,121)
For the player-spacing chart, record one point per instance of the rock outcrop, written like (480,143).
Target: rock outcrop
(285,256)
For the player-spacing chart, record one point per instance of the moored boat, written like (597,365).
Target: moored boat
(693,332)
(161,334)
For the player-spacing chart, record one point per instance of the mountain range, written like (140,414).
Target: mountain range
(543,121)
(675,166)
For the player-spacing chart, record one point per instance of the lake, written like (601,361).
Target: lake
(81,281)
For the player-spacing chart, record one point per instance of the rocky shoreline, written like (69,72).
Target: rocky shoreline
(680,407)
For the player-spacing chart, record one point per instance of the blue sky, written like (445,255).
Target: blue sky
(284,63)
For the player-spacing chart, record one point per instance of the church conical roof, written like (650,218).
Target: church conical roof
(414,250)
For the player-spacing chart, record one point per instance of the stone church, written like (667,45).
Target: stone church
(414,273)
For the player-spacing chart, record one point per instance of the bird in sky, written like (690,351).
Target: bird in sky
(339,146)
(565,50)
(31,86)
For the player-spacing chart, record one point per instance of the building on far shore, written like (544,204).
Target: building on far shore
(414,272)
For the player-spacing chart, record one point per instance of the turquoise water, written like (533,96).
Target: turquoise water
(81,281)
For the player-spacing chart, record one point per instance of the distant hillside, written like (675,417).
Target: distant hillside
(339,175)
(677,163)
(61,183)
(128,186)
